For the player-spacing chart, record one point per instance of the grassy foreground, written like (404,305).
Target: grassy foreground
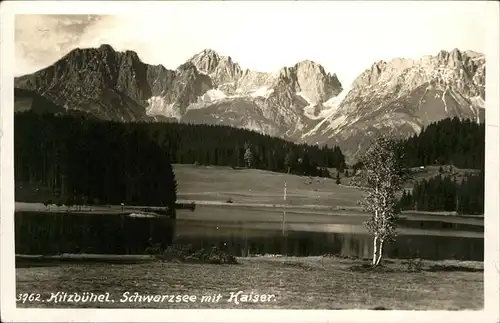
(296,283)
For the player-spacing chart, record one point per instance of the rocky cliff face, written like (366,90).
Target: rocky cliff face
(116,85)
(284,103)
(221,69)
(302,102)
(404,96)
(208,88)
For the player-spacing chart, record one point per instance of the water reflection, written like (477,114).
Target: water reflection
(302,239)
(246,231)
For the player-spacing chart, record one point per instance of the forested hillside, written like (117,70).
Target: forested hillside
(95,162)
(227,146)
(113,162)
(442,193)
(447,142)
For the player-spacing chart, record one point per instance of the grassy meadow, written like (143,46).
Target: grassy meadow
(253,186)
(297,283)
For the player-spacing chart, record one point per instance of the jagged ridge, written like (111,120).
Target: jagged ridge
(405,95)
(300,103)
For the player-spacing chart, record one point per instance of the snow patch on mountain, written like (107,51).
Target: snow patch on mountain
(311,110)
(330,109)
(262,91)
(336,100)
(302,95)
(158,106)
(213,95)
(477,101)
(444,100)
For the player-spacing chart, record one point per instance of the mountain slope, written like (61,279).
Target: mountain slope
(302,103)
(208,88)
(403,96)
(115,85)
(284,103)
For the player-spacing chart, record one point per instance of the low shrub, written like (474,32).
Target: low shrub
(185,254)
(414,265)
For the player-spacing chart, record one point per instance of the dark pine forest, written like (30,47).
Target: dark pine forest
(104,162)
(448,142)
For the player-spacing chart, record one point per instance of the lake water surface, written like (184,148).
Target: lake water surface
(249,231)
(243,233)
(243,239)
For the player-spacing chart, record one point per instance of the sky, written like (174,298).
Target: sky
(345,37)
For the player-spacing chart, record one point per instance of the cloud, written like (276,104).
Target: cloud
(345,37)
(42,39)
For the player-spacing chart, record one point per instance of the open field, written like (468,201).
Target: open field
(297,283)
(430,171)
(251,186)
(215,183)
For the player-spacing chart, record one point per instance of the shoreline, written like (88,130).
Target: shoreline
(257,257)
(118,209)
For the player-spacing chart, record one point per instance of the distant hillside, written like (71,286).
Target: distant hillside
(447,142)
(447,193)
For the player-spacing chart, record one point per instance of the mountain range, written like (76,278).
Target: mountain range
(301,103)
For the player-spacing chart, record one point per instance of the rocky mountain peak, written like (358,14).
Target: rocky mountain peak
(382,71)
(188,67)
(451,59)
(288,75)
(314,83)
(222,69)
(206,61)
(106,48)
(308,65)
(132,56)
(404,95)
(441,69)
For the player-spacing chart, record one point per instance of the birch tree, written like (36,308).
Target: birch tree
(383,175)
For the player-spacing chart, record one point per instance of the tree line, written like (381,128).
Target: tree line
(229,146)
(113,162)
(447,142)
(445,193)
(96,162)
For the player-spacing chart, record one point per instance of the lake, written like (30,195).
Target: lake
(243,239)
(246,231)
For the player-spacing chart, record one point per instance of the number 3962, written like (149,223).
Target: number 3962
(28,298)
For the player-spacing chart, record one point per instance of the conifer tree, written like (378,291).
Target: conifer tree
(248,157)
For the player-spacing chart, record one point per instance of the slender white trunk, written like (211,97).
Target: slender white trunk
(380,249)
(375,239)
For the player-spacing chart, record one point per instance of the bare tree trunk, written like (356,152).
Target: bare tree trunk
(380,249)
(374,260)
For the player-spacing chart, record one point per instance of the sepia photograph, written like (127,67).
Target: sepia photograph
(282,155)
